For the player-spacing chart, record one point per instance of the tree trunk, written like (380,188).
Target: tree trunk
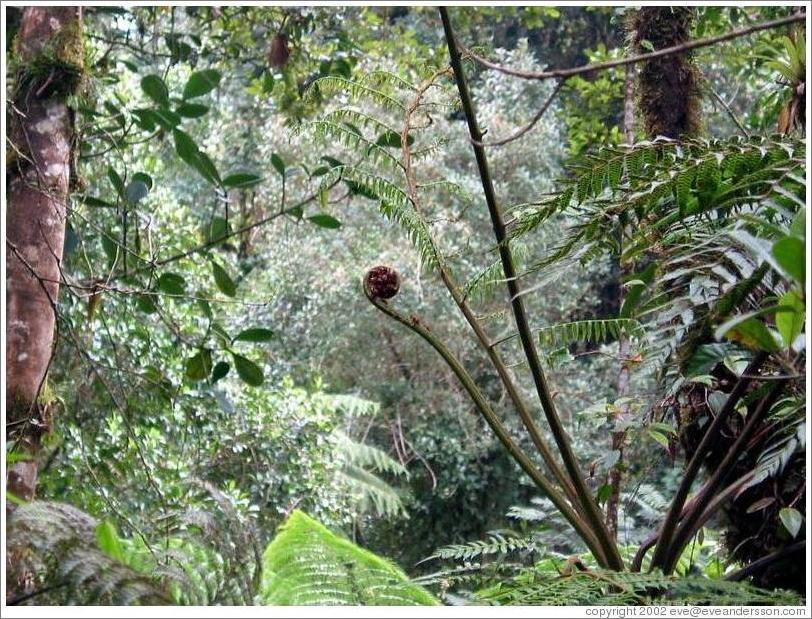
(48,59)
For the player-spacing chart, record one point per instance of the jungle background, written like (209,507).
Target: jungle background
(218,374)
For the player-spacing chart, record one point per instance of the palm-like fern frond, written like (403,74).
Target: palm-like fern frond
(361,464)
(307,564)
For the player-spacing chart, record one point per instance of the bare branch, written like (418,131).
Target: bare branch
(660,53)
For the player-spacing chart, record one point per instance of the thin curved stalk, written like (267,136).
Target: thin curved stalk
(591,510)
(459,298)
(487,412)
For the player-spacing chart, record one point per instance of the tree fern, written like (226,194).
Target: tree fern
(206,555)
(51,550)
(307,564)
(361,464)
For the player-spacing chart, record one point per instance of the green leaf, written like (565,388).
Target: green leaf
(789,253)
(792,520)
(200,83)
(191,110)
(277,163)
(661,438)
(223,280)
(146,303)
(706,358)
(604,492)
(325,221)
(749,331)
(216,229)
(205,307)
(116,180)
(189,152)
(790,323)
(220,371)
(247,370)
(798,227)
(241,180)
(392,140)
(171,283)
(166,118)
(155,88)
(255,334)
(198,367)
(108,541)
(110,248)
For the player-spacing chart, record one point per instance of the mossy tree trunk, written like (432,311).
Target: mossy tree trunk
(48,61)
(667,88)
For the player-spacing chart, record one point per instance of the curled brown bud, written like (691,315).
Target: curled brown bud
(382,282)
(278,52)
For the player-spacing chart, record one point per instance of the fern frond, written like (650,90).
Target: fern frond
(355,90)
(345,135)
(495,544)
(600,587)
(596,331)
(51,547)
(306,564)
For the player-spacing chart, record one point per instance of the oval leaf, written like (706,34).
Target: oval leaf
(248,371)
(255,334)
(198,367)
(790,323)
(789,253)
(220,371)
(792,520)
(191,110)
(171,283)
(241,180)
(277,163)
(325,221)
(154,87)
(223,280)
(201,83)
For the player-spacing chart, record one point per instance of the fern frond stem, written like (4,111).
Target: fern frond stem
(660,53)
(718,500)
(691,522)
(492,419)
(590,507)
(695,464)
(759,564)
(461,302)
